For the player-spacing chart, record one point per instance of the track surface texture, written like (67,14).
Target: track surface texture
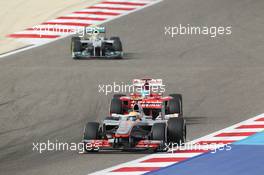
(44,94)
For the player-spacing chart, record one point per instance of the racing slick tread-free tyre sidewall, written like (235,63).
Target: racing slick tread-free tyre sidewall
(159,131)
(117,45)
(176,130)
(174,106)
(118,95)
(178,97)
(91,131)
(76,45)
(116,106)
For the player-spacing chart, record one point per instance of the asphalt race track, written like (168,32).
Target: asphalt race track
(45,94)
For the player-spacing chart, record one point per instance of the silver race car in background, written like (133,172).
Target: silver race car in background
(93,45)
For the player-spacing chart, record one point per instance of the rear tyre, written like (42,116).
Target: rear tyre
(178,101)
(116,106)
(174,106)
(76,46)
(91,132)
(176,130)
(176,96)
(118,95)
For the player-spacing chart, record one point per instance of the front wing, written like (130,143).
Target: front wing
(114,54)
(107,144)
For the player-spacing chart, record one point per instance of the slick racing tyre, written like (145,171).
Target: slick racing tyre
(174,106)
(116,106)
(159,133)
(117,45)
(178,100)
(76,46)
(176,129)
(91,132)
(118,95)
(179,96)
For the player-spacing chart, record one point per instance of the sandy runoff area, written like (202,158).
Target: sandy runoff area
(17,15)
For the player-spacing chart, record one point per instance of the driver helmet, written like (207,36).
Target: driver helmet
(133,115)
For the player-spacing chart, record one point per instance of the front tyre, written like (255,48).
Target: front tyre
(176,130)
(76,46)
(159,133)
(117,45)
(91,132)
(116,106)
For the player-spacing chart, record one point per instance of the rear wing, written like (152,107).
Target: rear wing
(94,30)
(147,82)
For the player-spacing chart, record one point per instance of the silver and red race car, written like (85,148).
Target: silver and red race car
(140,121)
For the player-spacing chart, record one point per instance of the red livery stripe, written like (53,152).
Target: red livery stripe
(233,134)
(260,120)
(165,159)
(131,169)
